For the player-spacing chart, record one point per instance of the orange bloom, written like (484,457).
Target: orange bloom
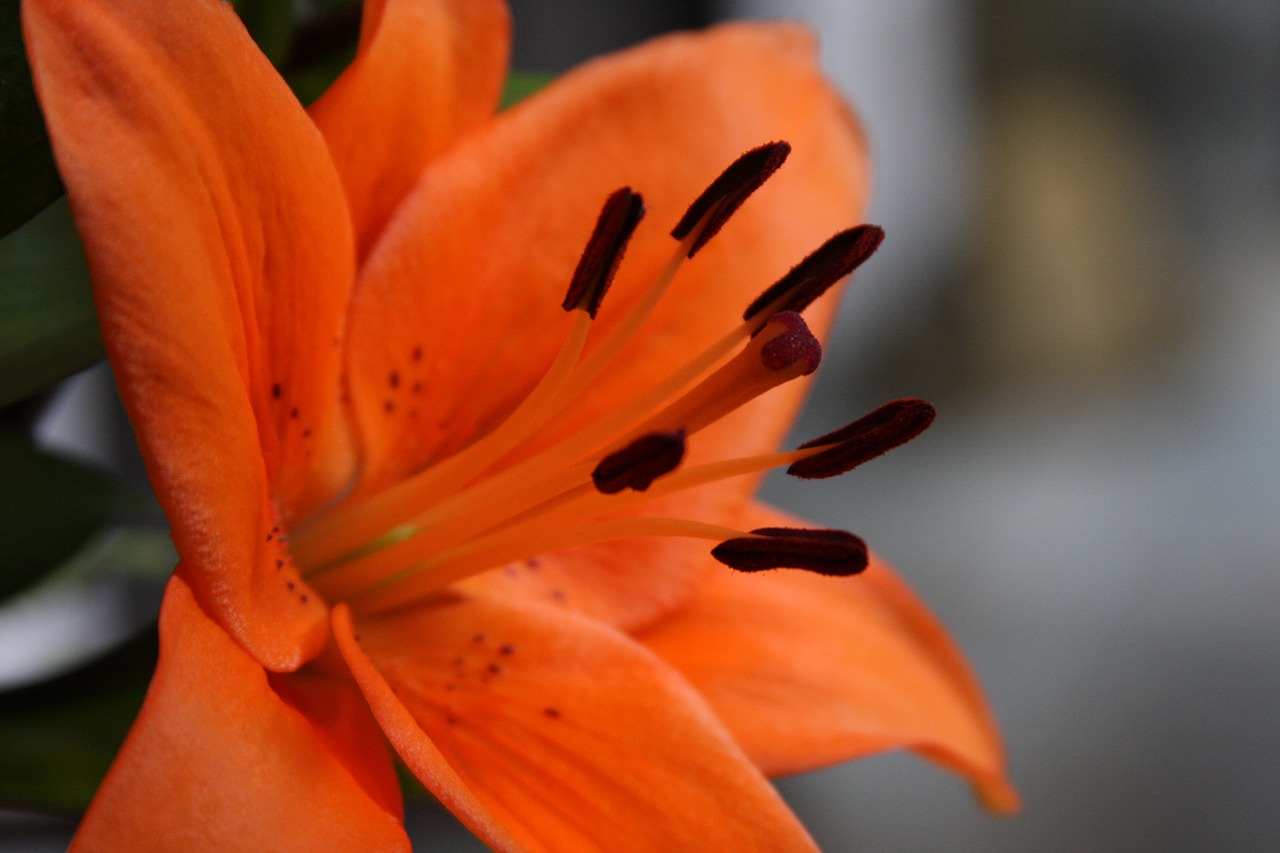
(374,429)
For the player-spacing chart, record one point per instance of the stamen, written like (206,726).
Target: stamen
(534,485)
(785,350)
(726,193)
(826,552)
(641,462)
(813,276)
(893,424)
(618,219)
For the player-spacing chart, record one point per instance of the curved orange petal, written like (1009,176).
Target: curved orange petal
(808,671)
(218,760)
(457,311)
(221,256)
(569,734)
(426,72)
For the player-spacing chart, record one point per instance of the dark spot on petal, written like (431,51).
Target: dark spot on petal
(305,598)
(478,638)
(417,387)
(507,649)
(558,594)
(458,660)
(270,536)
(276,391)
(306,433)
(279,564)
(293,413)
(450,719)
(533,563)
(394,379)
(494,668)
(388,406)
(290,585)
(416,355)
(552,713)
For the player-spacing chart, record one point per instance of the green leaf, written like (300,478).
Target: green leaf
(49,507)
(521,84)
(27,173)
(48,328)
(55,758)
(271,23)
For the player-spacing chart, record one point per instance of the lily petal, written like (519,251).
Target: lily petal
(426,72)
(566,732)
(808,671)
(218,760)
(218,239)
(457,311)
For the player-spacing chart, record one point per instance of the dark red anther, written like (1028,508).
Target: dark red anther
(824,266)
(727,192)
(826,552)
(871,435)
(641,462)
(793,344)
(618,219)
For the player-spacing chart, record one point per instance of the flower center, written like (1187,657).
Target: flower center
(516,493)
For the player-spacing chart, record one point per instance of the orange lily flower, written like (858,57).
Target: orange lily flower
(407,484)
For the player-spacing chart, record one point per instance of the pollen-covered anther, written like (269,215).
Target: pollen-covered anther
(618,219)
(822,268)
(712,209)
(826,552)
(893,424)
(641,462)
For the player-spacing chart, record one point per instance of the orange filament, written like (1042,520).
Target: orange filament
(418,533)
(516,493)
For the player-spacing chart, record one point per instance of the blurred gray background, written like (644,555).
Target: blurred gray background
(1082,202)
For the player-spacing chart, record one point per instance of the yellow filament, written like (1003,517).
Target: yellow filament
(550,478)
(515,543)
(344,531)
(406,543)
(734,384)
(489,515)
(464,515)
